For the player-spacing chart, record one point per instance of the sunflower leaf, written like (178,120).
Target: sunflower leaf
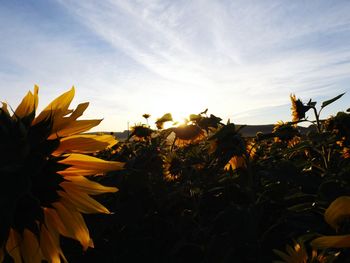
(327,102)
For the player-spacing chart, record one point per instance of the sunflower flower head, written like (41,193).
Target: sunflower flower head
(146,115)
(298,108)
(227,142)
(44,189)
(284,131)
(141,132)
(296,254)
(188,134)
(299,254)
(172,167)
(207,123)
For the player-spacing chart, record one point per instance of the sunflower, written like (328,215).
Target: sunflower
(298,108)
(299,254)
(188,134)
(335,214)
(172,167)
(286,132)
(44,189)
(296,254)
(140,132)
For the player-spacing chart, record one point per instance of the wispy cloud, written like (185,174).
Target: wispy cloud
(235,57)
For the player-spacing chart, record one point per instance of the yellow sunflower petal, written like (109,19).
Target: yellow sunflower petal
(74,223)
(59,105)
(13,246)
(50,246)
(4,107)
(30,248)
(36,96)
(85,144)
(54,223)
(2,254)
(79,172)
(62,122)
(27,106)
(85,162)
(79,110)
(332,242)
(338,210)
(87,186)
(234,163)
(83,202)
(74,128)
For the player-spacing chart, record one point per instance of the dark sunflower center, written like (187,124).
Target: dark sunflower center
(175,166)
(29,179)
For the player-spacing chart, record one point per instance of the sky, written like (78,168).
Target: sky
(239,59)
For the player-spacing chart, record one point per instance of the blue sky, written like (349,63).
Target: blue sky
(240,59)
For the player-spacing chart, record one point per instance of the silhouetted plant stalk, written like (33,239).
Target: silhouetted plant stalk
(298,112)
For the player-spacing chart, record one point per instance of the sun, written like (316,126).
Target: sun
(180,107)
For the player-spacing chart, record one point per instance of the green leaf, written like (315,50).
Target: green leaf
(327,102)
(195,117)
(166,117)
(307,206)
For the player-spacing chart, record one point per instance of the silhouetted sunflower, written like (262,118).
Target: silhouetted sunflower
(172,167)
(141,132)
(298,108)
(188,134)
(285,132)
(43,188)
(299,254)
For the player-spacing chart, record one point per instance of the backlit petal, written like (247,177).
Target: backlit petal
(50,246)
(73,222)
(54,223)
(26,107)
(86,162)
(332,242)
(74,128)
(36,96)
(4,107)
(79,172)
(13,246)
(62,122)
(87,186)
(83,202)
(85,144)
(2,254)
(58,106)
(30,248)
(338,210)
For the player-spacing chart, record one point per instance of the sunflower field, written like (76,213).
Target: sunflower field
(195,192)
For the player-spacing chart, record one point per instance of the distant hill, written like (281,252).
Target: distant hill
(251,130)
(247,131)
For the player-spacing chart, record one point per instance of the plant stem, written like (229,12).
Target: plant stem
(319,130)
